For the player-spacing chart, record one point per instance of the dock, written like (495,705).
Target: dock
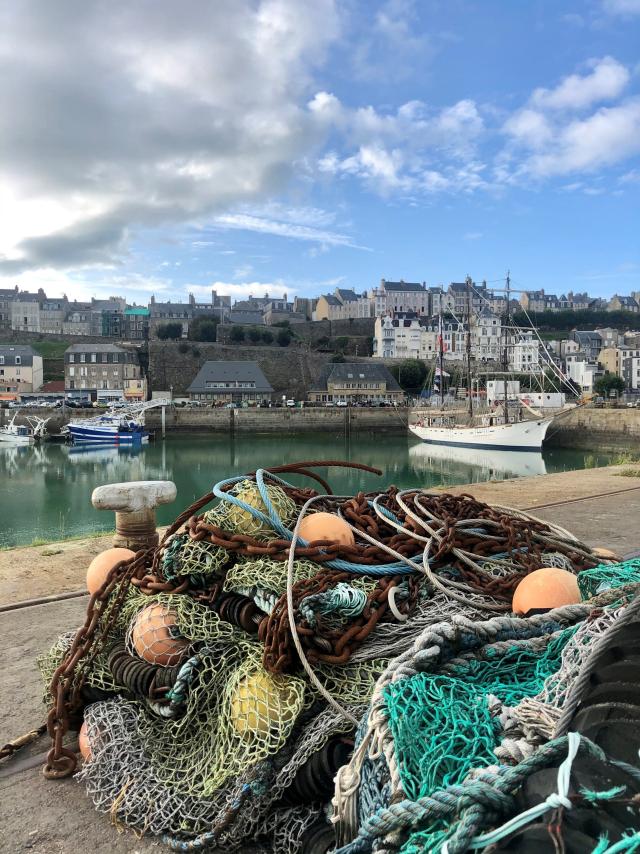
(599,506)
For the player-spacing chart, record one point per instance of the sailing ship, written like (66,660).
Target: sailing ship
(33,431)
(501,432)
(116,426)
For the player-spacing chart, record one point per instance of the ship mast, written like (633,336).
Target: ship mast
(469,381)
(505,352)
(441,351)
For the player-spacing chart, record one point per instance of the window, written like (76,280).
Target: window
(72,372)
(18,360)
(83,357)
(71,358)
(94,356)
(104,357)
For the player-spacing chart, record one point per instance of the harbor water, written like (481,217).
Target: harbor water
(45,491)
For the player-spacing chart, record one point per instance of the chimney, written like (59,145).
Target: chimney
(192,299)
(152,301)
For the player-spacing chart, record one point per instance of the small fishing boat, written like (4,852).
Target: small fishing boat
(116,426)
(24,434)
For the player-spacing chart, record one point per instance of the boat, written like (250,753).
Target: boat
(507,431)
(122,425)
(24,434)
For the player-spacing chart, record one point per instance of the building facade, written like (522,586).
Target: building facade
(92,369)
(343,304)
(20,369)
(355,383)
(221,382)
(394,297)
(7,296)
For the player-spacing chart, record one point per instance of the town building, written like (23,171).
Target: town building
(25,311)
(161,313)
(524,354)
(52,315)
(355,382)
(407,336)
(102,371)
(617,303)
(539,301)
(7,296)
(78,319)
(305,306)
(343,304)
(20,369)
(582,372)
(623,362)
(393,297)
(588,342)
(221,382)
(610,337)
(136,323)
(486,336)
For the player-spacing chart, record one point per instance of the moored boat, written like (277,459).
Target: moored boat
(24,434)
(123,426)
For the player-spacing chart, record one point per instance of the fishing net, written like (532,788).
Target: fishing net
(608,577)
(216,715)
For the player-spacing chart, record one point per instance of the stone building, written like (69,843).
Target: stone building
(355,382)
(401,296)
(20,369)
(343,304)
(102,371)
(25,311)
(223,382)
(7,296)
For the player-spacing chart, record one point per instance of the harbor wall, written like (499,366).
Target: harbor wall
(581,428)
(587,428)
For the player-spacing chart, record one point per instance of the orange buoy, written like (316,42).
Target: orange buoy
(326,526)
(102,565)
(154,636)
(83,742)
(546,588)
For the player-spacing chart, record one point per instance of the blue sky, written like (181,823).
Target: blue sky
(294,146)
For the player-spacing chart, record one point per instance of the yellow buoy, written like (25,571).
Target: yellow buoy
(259,702)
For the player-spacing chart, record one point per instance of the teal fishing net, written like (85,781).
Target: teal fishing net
(442,725)
(608,577)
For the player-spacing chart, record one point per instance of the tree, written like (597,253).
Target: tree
(169,331)
(203,329)
(608,383)
(237,334)
(340,343)
(267,336)
(255,334)
(410,374)
(284,337)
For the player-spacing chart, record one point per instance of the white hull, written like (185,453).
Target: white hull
(426,455)
(12,439)
(519,436)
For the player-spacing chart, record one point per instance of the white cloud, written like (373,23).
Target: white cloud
(473,235)
(146,115)
(605,81)
(282,228)
(603,139)
(622,7)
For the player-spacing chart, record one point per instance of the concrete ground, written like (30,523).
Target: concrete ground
(54,817)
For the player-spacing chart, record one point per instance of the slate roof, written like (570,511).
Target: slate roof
(10,351)
(346,371)
(220,371)
(403,286)
(331,300)
(346,295)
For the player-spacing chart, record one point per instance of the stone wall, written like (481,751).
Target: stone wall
(290,370)
(587,428)
(282,421)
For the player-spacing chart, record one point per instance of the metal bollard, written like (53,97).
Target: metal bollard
(134,505)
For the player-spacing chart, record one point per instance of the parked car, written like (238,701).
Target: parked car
(291,403)
(341,403)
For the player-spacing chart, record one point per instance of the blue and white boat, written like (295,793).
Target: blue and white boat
(121,426)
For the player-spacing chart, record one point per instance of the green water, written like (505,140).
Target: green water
(45,492)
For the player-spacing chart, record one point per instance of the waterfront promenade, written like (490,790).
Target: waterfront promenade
(599,505)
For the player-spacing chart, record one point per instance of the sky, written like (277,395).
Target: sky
(254,146)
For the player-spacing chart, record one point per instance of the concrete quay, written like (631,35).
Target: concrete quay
(600,506)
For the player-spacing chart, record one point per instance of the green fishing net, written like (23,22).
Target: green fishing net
(441,724)
(608,577)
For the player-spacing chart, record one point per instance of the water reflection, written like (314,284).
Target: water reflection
(45,491)
(486,464)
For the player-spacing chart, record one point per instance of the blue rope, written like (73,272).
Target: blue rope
(272,519)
